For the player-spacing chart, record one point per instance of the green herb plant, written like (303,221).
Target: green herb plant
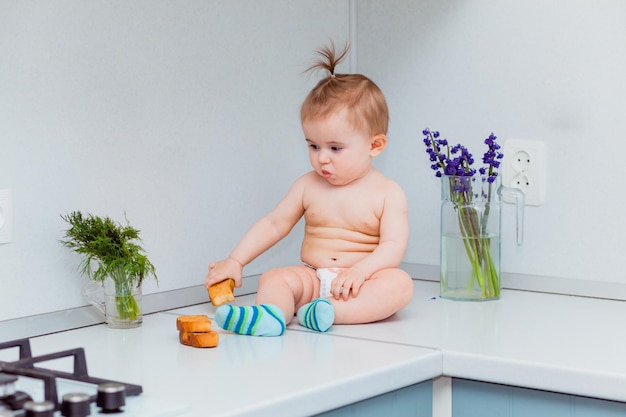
(110,250)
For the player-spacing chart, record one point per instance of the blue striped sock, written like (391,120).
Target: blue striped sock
(261,320)
(317,315)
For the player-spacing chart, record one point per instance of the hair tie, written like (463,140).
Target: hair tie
(332,75)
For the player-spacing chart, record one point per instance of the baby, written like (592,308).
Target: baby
(356,223)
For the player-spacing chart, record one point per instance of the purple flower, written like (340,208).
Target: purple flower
(461,188)
(492,157)
(457,160)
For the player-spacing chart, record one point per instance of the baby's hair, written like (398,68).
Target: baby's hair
(329,58)
(360,96)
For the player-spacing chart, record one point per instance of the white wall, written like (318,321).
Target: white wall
(551,71)
(184,115)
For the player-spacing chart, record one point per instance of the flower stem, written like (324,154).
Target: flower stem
(476,241)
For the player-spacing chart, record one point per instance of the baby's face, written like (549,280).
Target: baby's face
(339,152)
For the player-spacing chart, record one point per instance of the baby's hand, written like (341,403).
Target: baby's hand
(347,282)
(224,269)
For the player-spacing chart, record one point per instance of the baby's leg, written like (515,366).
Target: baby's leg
(280,291)
(384,294)
(288,288)
(319,314)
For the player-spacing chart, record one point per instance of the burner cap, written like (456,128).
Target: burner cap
(39,409)
(111,396)
(75,404)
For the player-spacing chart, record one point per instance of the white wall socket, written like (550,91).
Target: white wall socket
(6,216)
(524,167)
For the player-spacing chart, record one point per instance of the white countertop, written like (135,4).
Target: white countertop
(552,342)
(298,374)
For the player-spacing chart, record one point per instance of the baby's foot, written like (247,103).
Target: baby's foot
(261,320)
(317,315)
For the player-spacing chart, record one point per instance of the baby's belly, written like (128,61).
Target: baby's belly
(333,252)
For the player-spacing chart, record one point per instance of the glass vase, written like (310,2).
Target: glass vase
(470,238)
(118,299)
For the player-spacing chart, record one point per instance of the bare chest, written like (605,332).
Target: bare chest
(356,211)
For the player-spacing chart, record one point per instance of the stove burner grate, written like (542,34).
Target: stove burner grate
(25,366)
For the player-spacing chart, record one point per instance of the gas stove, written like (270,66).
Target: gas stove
(29,390)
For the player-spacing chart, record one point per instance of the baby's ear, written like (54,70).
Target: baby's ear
(379,142)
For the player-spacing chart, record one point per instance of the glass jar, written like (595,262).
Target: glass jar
(470,238)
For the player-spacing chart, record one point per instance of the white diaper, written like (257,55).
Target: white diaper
(326,277)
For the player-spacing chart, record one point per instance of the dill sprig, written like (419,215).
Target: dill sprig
(108,244)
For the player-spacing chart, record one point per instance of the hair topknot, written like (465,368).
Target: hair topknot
(329,58)
(362,99)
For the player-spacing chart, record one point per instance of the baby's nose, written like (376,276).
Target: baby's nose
(323,156)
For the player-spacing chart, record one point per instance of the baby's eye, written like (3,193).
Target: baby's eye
(313,146)
(335,148)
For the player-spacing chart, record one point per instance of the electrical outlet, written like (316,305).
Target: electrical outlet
(524,167)
(6,216)
(522,182)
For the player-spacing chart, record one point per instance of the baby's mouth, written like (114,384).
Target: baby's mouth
(326,174)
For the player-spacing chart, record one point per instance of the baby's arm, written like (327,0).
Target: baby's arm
(394,236)
(264,234)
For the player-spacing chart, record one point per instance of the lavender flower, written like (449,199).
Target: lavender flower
(456,163)
(457,160)
(491,158)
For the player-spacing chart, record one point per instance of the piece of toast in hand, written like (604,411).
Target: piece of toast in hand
(222,292)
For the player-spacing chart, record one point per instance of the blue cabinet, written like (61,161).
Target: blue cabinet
(480,399)
(412,401)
